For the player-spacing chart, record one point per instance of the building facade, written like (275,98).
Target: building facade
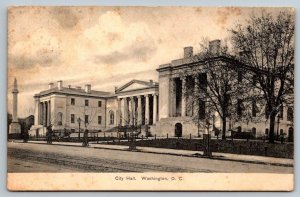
(162,108)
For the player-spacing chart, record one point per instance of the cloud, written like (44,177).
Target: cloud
(138,51)
(115,40)
(40,48)
(65,17)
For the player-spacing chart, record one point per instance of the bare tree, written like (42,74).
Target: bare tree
(267,45)
(218,87)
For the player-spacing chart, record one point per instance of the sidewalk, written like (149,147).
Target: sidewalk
(188,153)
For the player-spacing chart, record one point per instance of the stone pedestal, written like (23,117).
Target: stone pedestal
(14,128)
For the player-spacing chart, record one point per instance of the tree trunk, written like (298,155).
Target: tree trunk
(224,129)
(272,128)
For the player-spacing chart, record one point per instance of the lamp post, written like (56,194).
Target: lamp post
(79,121)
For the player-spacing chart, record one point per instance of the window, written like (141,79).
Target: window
(290,114)
(86,118)
(280,113)
(72,101)
(111,117)
(86,102)
(254,109)
(72,118)
(99,103)
(201,110)
(72,130)
(99,119)
(59,118)
(240,107)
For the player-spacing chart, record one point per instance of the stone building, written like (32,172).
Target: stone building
(68,107)
(163,107)
(175,113)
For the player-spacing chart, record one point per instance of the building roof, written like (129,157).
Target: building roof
(74,91)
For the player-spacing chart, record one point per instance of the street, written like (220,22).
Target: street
(28,157)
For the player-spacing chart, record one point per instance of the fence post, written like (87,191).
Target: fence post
(266,151)
(167,136)
(155,136)
(142,137)
(190,136)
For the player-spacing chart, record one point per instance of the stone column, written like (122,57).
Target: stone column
(196,93)
(139,108)
(172,99)
(147,109)
(131,110)
(118,115)
(36,110)
(44,113)
(154,108)
(183,97)
(123,111)
(40,113)
(48,113)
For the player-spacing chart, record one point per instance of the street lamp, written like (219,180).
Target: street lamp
(79,121)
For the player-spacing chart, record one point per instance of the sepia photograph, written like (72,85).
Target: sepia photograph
(150,98)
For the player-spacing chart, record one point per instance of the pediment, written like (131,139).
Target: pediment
(134,86)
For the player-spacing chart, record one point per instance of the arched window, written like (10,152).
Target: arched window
(290,114)
(59,118)
(111,117)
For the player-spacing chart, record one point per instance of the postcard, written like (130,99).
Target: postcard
(150,98)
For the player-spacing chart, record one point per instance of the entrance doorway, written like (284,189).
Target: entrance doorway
(178,130)
(291,134)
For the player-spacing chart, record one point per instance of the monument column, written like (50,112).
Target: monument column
(15,127)
(139,108)
(183,97)
(147,109)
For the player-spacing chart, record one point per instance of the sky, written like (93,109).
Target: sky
(105,46)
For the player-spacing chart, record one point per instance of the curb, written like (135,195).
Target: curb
(177,154)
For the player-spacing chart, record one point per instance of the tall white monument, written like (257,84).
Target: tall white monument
(15,127)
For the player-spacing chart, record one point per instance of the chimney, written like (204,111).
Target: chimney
(87,88)
(215,47)
(151,81)
(51,85)
(116,88)
(69,86)
(60,84)
(187,52)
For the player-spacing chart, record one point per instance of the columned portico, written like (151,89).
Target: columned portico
(142,97)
